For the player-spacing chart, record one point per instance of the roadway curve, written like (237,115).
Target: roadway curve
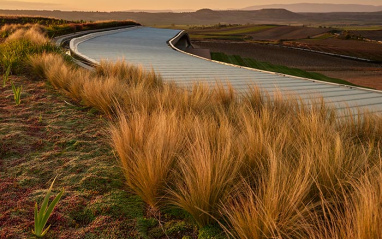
(156,48)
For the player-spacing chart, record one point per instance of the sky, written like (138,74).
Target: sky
(123,5)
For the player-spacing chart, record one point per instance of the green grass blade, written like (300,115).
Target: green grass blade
(51,207)
(45,231)
(35,218)
(6,75)
(45,202)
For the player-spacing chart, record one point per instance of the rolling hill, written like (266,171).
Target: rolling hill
(208,17)
(319,7)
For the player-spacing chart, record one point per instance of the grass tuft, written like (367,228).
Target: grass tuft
(147,146)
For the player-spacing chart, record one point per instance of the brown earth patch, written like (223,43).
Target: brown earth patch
(356,48)
(369,78)
(375,35)
(365,74)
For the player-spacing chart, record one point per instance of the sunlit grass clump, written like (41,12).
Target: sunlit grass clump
(21,42)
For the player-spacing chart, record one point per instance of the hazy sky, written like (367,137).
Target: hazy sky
(121,5)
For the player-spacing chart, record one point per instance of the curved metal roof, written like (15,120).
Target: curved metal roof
(149,47)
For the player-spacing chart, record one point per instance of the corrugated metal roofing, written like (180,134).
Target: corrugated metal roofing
(148,47)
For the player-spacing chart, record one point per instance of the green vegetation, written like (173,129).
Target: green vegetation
(172,26)
(41,217)
(219,37)
(244,30)
(226,32)
(265,66)
(23,20)
(57,30)
(202,162)
(17,93)
(321,37)
(55,27)
(23,42)
(6,74)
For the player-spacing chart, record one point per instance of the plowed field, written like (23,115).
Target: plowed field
(287,32)
(356,48)
(375,35)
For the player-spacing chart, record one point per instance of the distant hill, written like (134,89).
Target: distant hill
(277,13)
(209,17)
(320,7)
(200,17)
(159,11)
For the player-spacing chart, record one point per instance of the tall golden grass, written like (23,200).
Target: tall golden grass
(207,173)
(148,146)
(263,166)
(20,42)
(34,33)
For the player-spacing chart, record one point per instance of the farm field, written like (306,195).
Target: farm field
(359,73)
(287,32)
(254,32)
(229,32)
(375,35)
(323,39)
(355,48)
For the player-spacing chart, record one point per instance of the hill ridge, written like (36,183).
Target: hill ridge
(319,7)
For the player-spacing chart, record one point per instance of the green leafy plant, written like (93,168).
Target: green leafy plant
(6,75)
(17,93)
(41,217)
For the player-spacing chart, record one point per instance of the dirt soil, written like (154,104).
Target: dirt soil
(360,73)
(356,48)
(369,34)
(287,32)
